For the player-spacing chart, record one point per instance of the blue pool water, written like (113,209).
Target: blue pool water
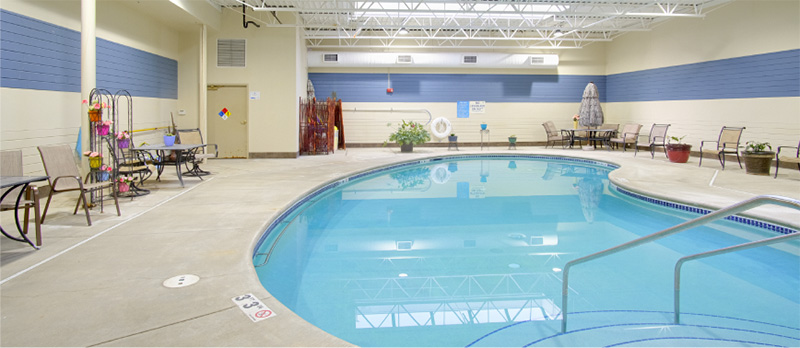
(469,252)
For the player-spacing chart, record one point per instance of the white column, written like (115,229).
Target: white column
(202,82)
(88,62)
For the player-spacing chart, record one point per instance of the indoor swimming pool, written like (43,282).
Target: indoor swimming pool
(470,251)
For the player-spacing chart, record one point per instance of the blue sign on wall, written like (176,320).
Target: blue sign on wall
(462,109)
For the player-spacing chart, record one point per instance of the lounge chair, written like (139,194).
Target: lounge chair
(64,176)
(630,132)
(194,137)
(789,159)
(554,135)
(657,137)
(728,142)
(11,165)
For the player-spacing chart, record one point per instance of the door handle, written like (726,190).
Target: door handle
(243,122)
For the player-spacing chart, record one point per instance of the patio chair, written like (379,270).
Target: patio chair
(554,135)
(64,176)
(131,163)
(194,137)
(630,132)
(728,142)
(657,137)
(789,159)
(11,165)
(613,126)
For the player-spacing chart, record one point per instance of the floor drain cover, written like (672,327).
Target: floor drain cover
(181,281)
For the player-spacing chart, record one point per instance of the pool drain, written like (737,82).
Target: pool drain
(181,281)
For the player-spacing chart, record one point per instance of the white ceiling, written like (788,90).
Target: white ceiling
(468,24)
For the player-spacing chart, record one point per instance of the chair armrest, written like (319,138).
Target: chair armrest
(216,149)
(55,181)
(703,142)
(784,147)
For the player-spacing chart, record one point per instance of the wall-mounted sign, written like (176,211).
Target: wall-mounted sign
(462,109)
(477,107)
(224,113)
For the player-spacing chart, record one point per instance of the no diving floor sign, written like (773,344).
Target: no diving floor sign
(253,308)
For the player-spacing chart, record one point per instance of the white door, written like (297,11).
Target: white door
(229,130)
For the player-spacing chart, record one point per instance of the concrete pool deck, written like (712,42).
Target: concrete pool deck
(102,285)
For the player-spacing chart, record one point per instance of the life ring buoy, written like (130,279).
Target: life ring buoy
(439,123)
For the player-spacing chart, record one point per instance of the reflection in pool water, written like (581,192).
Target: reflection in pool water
(448,253)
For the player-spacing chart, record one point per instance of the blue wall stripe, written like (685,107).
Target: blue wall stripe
(758,76)
(455,87)
(774,74)
(43,56)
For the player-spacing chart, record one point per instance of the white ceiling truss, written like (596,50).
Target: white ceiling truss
(470,24)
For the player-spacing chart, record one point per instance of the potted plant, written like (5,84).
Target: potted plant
(169,138)
(678,152)
(103,127)
(409,134)
(95,110)
(512,139)
(123,139)
(95,159)
(453,137)
(757,159)
(575,119)
(124,183)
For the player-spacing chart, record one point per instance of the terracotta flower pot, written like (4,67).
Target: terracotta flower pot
(679,153)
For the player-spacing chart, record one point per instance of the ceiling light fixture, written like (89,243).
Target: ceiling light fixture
(403,31)
(558,33)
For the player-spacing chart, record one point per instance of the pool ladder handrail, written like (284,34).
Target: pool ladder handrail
(730,249)
(702,220)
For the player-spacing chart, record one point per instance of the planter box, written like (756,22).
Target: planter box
(758,163)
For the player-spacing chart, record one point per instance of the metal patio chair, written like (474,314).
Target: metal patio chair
(789,159)
(630,132)
(554,135)
(64,176)
(657,137)
(194,137)
(11,165)
(728,143)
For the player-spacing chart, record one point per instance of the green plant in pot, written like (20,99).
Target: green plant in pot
(758,158)
(677,151)
(452,137)
(512,139)
(409,134)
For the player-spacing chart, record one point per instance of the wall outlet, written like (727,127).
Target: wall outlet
(182,112)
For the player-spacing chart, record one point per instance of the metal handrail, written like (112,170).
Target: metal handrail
(745,246)
(719,214)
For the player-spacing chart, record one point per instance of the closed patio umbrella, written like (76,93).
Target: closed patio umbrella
(590,112)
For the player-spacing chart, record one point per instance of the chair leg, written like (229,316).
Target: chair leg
(701,158)
(778,165)
(739,160)
(49,196)
(721,157)
(116,202)
(85,207)
(37,221)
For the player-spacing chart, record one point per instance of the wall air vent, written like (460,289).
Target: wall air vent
(537,60)
(404,59)
(231,53)
(469,59)
(330,57)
